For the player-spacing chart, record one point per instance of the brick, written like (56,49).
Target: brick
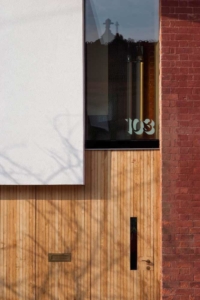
(180,61)
(184,291)
(195,284)
(197,291)
(197,277)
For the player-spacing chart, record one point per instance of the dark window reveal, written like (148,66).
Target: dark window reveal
(121,45)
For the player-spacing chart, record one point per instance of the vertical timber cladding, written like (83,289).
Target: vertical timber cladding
(91,222)
(17,243)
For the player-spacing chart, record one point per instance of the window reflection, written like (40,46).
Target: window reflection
(121,70)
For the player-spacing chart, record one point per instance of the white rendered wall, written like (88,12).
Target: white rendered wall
(41,92)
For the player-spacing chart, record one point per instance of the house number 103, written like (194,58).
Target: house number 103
(138,127)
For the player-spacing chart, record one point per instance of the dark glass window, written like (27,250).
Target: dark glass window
(121,49)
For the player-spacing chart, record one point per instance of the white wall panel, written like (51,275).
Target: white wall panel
(41,92)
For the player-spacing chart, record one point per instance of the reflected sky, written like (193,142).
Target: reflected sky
(138,19)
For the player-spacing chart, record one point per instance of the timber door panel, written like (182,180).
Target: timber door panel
(93,223)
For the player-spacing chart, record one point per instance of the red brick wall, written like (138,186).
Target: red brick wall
(180,105)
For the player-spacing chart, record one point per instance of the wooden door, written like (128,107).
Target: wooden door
(91,222)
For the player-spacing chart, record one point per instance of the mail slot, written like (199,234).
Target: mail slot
(59,257)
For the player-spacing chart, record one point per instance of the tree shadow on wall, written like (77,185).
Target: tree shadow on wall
(63,160)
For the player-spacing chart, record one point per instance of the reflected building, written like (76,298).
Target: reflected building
(120,86)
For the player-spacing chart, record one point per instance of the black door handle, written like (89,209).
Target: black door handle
(147,261)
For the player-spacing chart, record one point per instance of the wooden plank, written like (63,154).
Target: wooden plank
(87,245)
(121,218)
(143,212)
(68,232)
(81,230)
(148,205)
(109,223)
(27,238)
(123,222)
(41,251)
(109,238)
(67,196)
(98,221)
(127,209)
(157,224)
(72,240)
(154,228)
(3,216)
(94,227)
(116,229)
(105,165)
(140,216)
(12,246)
(76,234)
(118,233)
